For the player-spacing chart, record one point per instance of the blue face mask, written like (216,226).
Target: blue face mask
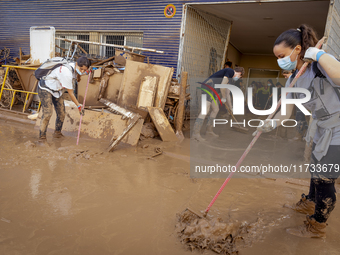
(286,64)
(80,73)
(236,78)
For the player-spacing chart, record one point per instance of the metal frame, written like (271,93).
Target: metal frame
(15,90)
(182,35)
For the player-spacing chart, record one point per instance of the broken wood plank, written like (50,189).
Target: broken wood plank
(105,60)
(147,92)
(111,92)
(162,124)
(142,112)
(133,76)
(180,110)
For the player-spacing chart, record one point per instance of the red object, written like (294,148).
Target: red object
(212,89)
(239,162)
(79,108)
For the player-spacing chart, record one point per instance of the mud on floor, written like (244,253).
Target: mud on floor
(200,233)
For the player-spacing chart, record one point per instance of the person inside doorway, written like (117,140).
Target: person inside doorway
(228,64)
(279,86)
(224,76)
(263,94)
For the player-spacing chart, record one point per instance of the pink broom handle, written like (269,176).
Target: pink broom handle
(81,116)
(303,68)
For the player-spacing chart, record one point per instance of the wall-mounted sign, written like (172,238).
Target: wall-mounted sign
(169,11)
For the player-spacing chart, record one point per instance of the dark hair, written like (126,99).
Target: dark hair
(277,84)
(83,61)
(271,82)
(304,35)
(239,69)
(228,63)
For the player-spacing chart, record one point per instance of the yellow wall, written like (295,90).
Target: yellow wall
(234,55)
(251,61)
(258,61)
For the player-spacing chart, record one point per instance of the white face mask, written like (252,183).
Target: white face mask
(80,73)
(286,64)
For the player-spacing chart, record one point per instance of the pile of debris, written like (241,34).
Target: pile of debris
(146,96)
(126,98)
(172,102)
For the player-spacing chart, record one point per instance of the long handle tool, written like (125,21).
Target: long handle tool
(303,68)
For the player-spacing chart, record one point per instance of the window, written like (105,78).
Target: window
(85,46)
(133,39)
(63,45)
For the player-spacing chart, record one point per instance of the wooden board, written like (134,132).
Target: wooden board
(111,92)
(133,76)
(95,125)
(162,124)
(147,92)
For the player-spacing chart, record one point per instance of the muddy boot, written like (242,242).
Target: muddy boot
(197,130)
(210,131)
(57,134)
(42,136)
(210,128)
(310,228)
(305,206)
(42,139)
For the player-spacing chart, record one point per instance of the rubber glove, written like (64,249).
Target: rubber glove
(81,109)
(313,53)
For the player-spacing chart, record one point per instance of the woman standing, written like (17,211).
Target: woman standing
(322,78)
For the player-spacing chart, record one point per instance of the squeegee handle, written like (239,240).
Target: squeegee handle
(239,162)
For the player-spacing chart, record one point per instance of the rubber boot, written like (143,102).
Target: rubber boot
(42,136)
(197,130)
(310,228)
(57,134)
(210,128)
(305,206)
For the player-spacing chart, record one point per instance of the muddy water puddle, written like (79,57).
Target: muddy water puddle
(59,198)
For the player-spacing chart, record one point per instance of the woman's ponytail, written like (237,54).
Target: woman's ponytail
(308,38)
(303,35)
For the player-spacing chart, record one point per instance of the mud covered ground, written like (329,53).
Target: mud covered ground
(60,198)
